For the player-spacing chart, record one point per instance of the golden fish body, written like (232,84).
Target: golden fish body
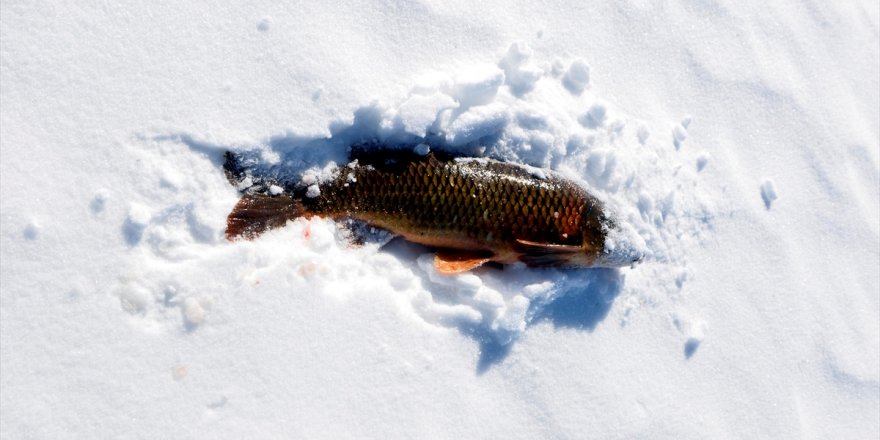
(472,210)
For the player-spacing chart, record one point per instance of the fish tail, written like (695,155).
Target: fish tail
(258,213)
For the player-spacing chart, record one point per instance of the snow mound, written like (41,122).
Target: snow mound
(520,110)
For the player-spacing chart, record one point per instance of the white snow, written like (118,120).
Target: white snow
(737,144)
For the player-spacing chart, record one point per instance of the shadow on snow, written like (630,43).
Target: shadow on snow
(578,308)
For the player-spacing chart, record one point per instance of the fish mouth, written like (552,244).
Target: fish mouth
(619,253)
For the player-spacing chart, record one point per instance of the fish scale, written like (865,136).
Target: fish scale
(492,204)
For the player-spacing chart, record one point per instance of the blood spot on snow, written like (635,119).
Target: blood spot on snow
(308,269)
(179,373)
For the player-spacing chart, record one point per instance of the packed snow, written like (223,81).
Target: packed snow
(738,146)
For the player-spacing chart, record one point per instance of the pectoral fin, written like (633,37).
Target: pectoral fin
(449,263)
(548,248)
(545,254)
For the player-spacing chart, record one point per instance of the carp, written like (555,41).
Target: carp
(470,210)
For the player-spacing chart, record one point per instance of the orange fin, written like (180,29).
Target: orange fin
(257,213)
(449,263)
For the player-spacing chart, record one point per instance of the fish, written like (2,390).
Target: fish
(471,211)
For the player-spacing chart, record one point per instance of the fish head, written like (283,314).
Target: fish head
(596,250)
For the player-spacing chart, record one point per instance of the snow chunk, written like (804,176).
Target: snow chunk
(133,299)
(245,183)
(536,172)
(477,85)
(264,24)
(321,235)
(419,112)
(520,75)
(686,121)
(517,54)
(137,220)
(476,123)
(702,160)
(31,231)
(310,177)
(601,164)
(313,191)
(193,312)
(537,289)
(595,116)
(99,202)
(679,134)
(513,318)
(693,328)
(422,149)
(768,192)
(315,176)
(577,78)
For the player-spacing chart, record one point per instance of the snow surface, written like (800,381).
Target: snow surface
(738,143)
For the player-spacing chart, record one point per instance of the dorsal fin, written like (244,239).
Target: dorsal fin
(389,159)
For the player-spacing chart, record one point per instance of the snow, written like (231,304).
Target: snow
(768,192)
(577,77)
(738,146)
(422,149)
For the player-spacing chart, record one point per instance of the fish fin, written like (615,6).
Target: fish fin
(449,263)
(548,248)
(257,213)
(545,254)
